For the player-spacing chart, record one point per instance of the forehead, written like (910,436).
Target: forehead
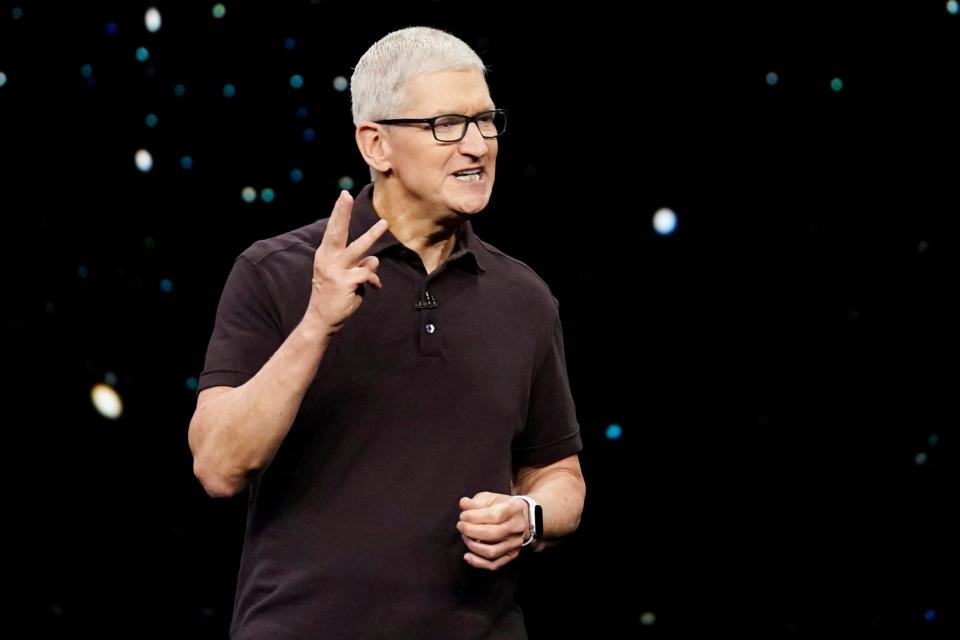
(448,92)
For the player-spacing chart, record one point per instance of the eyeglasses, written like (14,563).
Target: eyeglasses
(452,127)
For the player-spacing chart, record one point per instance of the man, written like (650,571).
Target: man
(387,395)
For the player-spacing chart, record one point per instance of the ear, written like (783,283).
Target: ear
(373,145)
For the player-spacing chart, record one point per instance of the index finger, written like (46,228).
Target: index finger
(338,227)
(358,248)
(495,514)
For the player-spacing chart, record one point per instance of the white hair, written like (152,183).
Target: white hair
(378,87)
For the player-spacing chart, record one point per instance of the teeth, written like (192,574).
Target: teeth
(470,177)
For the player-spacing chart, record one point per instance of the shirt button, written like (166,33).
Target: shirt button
(430,328)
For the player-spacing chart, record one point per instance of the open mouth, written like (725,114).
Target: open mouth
(469,175)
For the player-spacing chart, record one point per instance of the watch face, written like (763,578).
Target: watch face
(538,520)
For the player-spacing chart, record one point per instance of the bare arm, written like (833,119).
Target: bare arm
(560,489)
(493,525)
(235,432)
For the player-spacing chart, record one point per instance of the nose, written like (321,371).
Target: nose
(473,144)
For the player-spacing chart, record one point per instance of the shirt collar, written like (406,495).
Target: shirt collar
(364,216)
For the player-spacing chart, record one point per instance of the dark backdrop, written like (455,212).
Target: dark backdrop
(783,366)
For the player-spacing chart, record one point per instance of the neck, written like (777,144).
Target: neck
(431,235)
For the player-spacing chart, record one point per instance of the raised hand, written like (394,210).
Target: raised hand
(340,270)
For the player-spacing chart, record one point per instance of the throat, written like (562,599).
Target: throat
(434,254)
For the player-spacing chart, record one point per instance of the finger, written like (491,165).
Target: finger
(361,246)
(489,551)
(480,500)
(488,498)
(338,227)
(360,276)
(501,508)
(482,563)
(370,262)
(487,515)
(491,533)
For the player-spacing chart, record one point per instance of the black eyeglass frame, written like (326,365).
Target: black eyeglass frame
(466,123)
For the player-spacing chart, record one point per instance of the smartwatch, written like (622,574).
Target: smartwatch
(535,517)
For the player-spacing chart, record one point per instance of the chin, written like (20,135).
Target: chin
(471,205)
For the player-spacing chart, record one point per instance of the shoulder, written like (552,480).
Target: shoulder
(519,277)
(289,247)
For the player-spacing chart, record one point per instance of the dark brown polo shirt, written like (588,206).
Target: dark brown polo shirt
(419,400)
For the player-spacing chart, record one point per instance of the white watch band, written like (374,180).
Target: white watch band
(531,518)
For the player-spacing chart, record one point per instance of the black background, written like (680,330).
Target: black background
(777,364)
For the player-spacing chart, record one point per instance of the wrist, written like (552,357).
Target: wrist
(534,519)
(314,329)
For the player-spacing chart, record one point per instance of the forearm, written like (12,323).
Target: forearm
(238,432)
(561,493)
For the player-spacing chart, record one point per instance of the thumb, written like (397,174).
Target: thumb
(484,499)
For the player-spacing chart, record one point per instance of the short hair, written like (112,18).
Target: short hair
(378,87)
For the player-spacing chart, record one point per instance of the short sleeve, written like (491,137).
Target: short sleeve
(247,330)
(551,432)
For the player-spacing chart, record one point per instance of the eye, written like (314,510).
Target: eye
(448,122)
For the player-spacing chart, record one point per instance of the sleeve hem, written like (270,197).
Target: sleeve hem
(222,378)
(548,453)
